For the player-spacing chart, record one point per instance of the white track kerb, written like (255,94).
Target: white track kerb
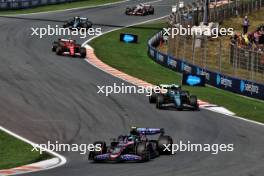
(203,105)
(57,161)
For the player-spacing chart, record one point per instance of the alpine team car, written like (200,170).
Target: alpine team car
(78,23)
(174,95)
(68,47)
(135,147)
(141,10)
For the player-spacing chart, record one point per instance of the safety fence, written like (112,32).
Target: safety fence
(192,14)
(24,4)
(214,78)
(217,54)
(214,54)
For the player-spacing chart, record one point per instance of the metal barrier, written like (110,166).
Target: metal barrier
(24,4)
(216,79)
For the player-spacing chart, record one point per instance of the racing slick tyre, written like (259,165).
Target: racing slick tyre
(59,50)
(165,141)
(155,149)
(54,46)
(152,97)
(179,108)
(194,102)
(143,150)
(159,101)
(89,24)
(127,11)
(94,153)
(151,11)
(83,52)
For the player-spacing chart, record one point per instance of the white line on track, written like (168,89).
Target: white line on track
(61,158)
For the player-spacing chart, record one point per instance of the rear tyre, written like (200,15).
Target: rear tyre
(89,24)
(165,141)
(151,11)
(155,149)
(143,150)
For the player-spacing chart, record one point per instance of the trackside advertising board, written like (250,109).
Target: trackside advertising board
(193,80)
(25,4)
(128,38)
(232,84)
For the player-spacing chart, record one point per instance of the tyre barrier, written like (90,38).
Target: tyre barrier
(213,78)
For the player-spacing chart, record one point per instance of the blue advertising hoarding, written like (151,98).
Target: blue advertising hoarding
(236,85)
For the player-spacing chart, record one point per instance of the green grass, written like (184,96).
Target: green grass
(14,152)
(133,59)
(63,6)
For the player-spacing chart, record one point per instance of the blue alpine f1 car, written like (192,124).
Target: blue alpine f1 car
(174,95)
(133,147)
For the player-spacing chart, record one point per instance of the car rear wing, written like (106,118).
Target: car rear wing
(168,86)
(150,131)
(67,40)
(83,18)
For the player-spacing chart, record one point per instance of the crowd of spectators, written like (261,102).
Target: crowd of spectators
(250,40)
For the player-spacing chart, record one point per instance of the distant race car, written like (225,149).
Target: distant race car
(174,95)
(68,47)
(140,9)
(78,23)
(133,147)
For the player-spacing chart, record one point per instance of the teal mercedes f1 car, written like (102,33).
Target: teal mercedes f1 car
(174,95)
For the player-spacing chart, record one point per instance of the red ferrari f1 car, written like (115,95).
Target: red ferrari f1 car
(68,47)
(141,10)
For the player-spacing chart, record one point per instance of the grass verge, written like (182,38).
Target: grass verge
(133,60)
(63,6)
(14,152)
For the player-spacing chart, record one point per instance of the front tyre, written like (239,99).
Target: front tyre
(103,150)
(83,52)
(159,101)
(194,102)
(152,97)
(54,46)
(59,50)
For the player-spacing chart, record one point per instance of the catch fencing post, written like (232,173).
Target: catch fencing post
(193,49)
(219,55)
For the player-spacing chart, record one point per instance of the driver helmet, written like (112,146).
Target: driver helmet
(134,131)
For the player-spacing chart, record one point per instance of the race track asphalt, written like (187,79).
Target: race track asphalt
(47,97)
